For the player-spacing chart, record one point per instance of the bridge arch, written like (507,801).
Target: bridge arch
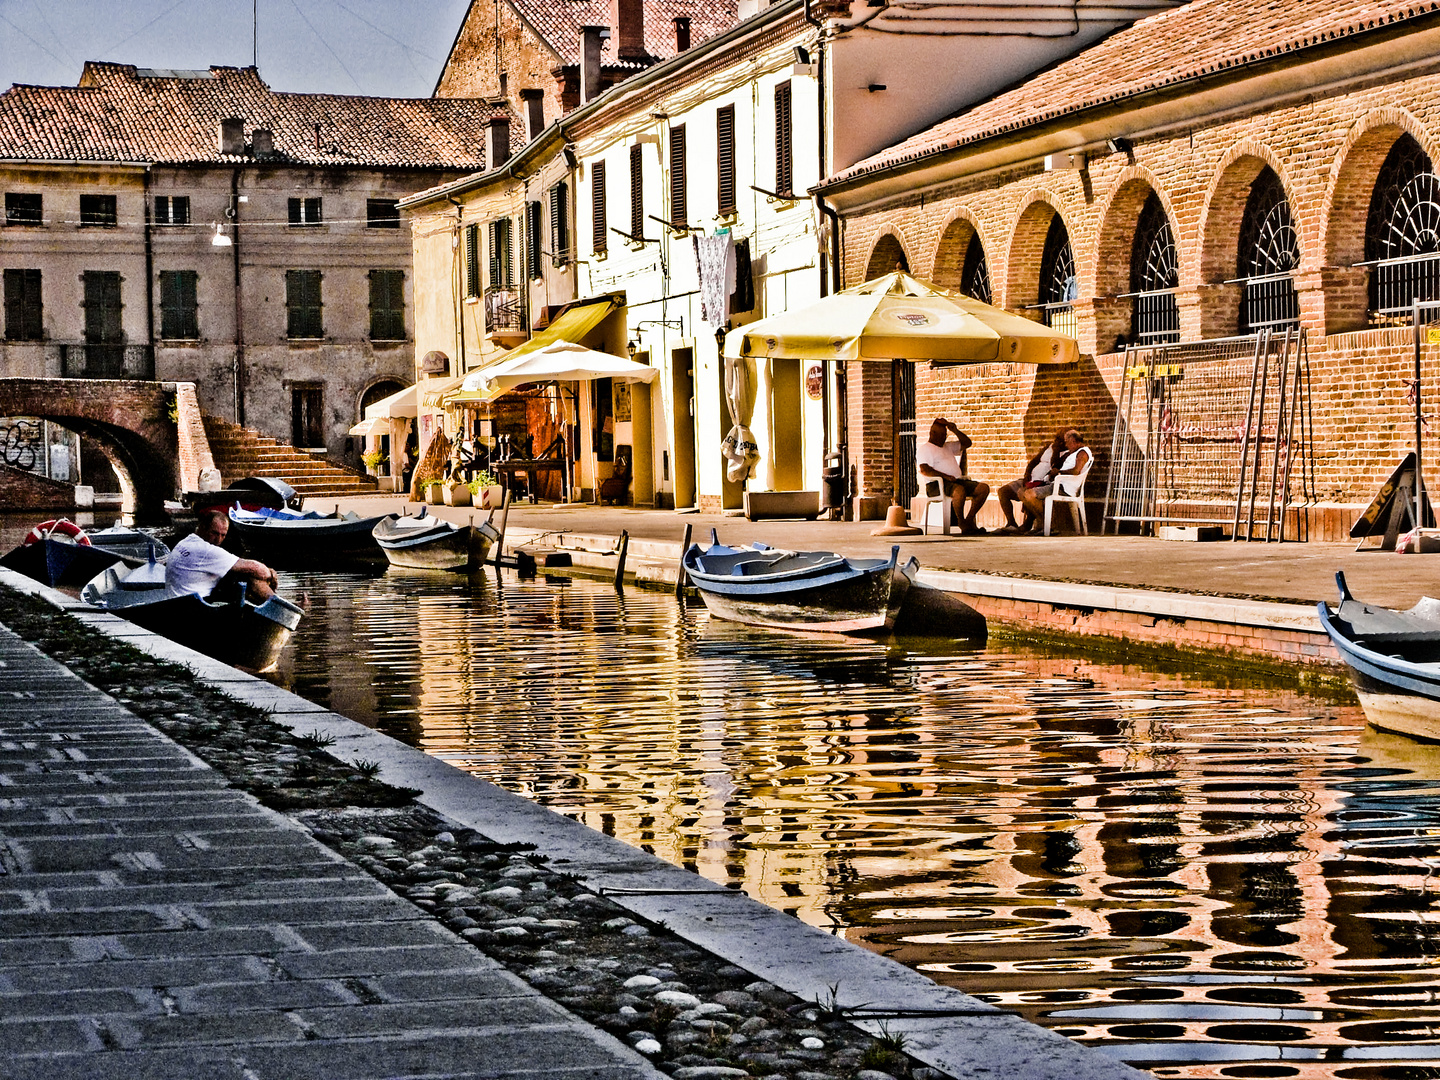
(133,424)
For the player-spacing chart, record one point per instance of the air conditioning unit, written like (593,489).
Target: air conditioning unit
(1071,160)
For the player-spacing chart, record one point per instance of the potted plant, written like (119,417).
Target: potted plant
(456,492)
(374,460)
(485,491)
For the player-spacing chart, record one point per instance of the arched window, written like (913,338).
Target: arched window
(1058,284)
(1269,254)
(1402,233)
(1154,275)
(975,274)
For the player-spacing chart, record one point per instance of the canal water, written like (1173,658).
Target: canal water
(1202,878)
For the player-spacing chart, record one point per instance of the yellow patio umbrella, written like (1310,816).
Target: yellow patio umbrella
(898,317)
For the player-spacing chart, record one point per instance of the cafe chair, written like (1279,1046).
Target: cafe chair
(937,504)
(1071,491)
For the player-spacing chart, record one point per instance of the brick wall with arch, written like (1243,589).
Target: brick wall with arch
(1327,152)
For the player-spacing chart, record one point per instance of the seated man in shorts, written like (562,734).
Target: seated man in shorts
(1075,460)
(945,460)
(198,564)
(1037,472)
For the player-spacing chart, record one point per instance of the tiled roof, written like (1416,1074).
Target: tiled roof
(121,113)
(559,22)
(1203,38)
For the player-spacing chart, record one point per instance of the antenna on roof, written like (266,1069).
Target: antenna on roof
(255,34)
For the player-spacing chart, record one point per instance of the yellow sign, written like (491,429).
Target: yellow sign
(1432,335)
(1159,371)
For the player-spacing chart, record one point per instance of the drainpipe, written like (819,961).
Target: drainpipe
(233,213)
(457,298)
(149,276)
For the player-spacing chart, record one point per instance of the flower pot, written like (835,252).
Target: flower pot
(457,494)
(435,493)
(491,497)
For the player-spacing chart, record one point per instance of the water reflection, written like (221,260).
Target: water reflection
(1205,880)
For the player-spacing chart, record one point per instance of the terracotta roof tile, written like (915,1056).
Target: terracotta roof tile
(559,22)
(121,113)
(1204,37)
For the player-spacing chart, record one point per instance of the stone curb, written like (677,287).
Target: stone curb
(943,1028)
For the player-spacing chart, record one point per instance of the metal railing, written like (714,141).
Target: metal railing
(1396,284)
(91,361)
(1059,316)
(503,311)
(1269,303)
(1155,319)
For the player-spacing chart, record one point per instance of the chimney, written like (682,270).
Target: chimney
(592,39)
(627,20)
(498,144)
(232,136)
(534,99)
(262,142)
(682,34)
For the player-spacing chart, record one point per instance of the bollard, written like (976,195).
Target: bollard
(620,563)
(504,516)
(680,566)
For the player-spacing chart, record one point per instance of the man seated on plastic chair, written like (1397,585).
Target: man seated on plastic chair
(1075,462)
(938,459)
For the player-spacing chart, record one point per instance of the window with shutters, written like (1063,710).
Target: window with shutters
(97,210)
(637,190)
(599,234)
(178,306)
(502,260)
(24,208)
(725,158)
(784,147)
(23,314)
(679,210)
(382,213)
(305,212)
(472,260)
(532,239)
(302,304)
(172,209)
(387,305)
(560,224)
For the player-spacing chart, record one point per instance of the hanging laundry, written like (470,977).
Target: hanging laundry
(715,265)
(742,295)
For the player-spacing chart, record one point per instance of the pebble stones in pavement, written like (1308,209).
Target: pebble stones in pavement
(693,1015)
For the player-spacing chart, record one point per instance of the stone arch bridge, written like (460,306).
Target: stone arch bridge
(133,423)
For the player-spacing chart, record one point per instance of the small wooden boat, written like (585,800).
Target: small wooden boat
(1394,660)
(431,543)
(61,553)
(237,632)
(800,590)
(286,538)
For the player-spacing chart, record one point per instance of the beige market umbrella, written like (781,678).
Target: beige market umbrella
(898,317)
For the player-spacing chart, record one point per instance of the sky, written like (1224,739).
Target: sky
(385,48)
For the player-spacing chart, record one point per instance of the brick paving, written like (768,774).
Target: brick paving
(155,922)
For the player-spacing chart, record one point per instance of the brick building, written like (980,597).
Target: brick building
(1206,172)
(197,226)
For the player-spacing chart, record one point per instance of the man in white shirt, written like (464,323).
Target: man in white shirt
(198,564)
(944,460)
(1076,460)
(1037,473)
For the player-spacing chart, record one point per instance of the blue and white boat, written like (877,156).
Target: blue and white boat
(1394,660)
(800,590)
(288,538)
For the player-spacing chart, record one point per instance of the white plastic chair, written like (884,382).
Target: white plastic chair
(1071,490)
(937,504)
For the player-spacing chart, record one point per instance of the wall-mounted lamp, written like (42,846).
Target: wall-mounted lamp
(875,87)
(220,239)
(568,153)
(720,332)
(802,54)
(668,324)
(1120,145)
(632,348)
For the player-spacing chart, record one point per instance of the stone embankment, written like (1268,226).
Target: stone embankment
(158,922)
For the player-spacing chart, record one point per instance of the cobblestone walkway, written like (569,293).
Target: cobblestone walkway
(155,922)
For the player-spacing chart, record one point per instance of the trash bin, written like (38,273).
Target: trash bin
(832,482)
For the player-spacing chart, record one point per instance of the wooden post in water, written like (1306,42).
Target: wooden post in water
(504,517)
(680,566)
(620,562)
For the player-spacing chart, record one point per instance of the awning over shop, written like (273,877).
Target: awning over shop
(399,404)
(433,393)
(572,324)
(373,425)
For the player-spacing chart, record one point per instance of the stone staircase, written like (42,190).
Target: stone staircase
(239,452)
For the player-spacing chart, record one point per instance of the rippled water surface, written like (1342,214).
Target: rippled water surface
(1205,880)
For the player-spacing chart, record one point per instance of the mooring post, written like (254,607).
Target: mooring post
(504,517)
(620,562)
(680,566)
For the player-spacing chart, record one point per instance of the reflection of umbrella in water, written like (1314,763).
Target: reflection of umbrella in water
(893,317)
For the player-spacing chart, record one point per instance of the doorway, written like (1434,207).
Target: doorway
(902,420)
(786,438)
(732,494)
(307,422)
(642,439)
(682,444)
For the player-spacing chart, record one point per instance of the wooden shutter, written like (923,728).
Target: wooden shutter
(472,260)
(637,190)
(532,239)
(23,313)
(177,305)
(560,223)
(679,211)
(302,303)
(725,158)
(387,305)
(784,152)
(492,252)
(599,234)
